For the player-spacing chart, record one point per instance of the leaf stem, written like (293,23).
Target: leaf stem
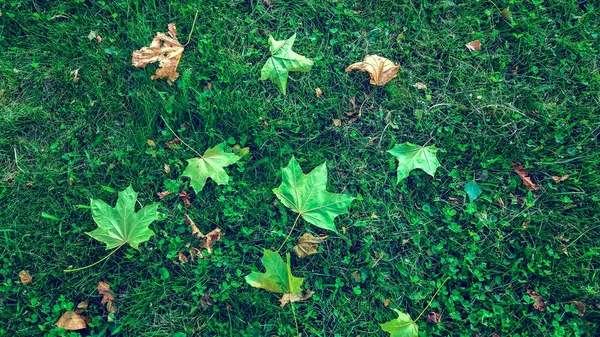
(295,319)
(365,101)
(176,136)
(432,298)
(290,233)
(95,263)
(192,30)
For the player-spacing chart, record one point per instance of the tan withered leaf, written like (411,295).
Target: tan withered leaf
(164,49)
(289,298)
(539,303)
(161,195)
(210,238)
(182,258)
(580,308)
(433,317)
(337,122)
(25,276)
(558,179)
(207,299)
(318,92)
(71,320)
(522,172)
(308,244)
(474,45)
(75,74)
(189,221)
(106,292)
(380,69)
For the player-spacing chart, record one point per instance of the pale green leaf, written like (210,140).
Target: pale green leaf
(282,61)
(402,326)
(278,277)
(210,165)
(121,224)
(473,190)
(306,194)
(411,156)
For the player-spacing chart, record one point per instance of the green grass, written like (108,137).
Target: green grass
(530,96)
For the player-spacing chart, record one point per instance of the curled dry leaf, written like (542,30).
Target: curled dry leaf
(185,197)
(167,168)
(71,320)
(75,74)
(182,258)
(195,230)
(308,244)
(474,45)
(82,305)
(337,122)
(539,303)
(25,276)
(433,317)
(210,238)
(420,85)
(580,308)
(522,172)
(380,69)
(386,302)
(558,179)
(106,292)
(165,49)
(289,298)
(161,195)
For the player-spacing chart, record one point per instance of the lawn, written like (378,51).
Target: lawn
(522,259)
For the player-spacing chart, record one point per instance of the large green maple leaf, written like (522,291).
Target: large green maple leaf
(278,277)
(411,156)
(121,224)
(210,165)
(306,195)
(282,61)
(402,326)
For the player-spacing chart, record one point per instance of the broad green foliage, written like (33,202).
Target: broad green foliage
(402,326)
(210,165)
(278,277)
(411,156)
(282,61)
(473,190)
(306,194)
(122,224)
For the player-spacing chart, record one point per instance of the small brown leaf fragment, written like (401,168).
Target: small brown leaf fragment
(539,303)
(318,92)
(580,308)
(165,49)
(420,85)
(167,168)
(25,277)
(161,195)
(106,292)
(75,74)
(356,275)
(195,230)
(71,320)
(522,172)
(289,298)
(337,122)
(99,38)
(206,300)
(83,305)
(380,69)
(210,238)
(558,179)
(195,253)
(500,202)
(182,258)
(308,244)
(185,197)
(474,45)
(386,302)
(207,87)
(433,317)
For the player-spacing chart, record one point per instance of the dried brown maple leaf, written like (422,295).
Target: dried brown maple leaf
(182,258)
(289,298)
(539,303)
(71,320)
(474,45)
(522,172)
(195,230)
(165,49)
(558,179)
(25,276)
(106,292)
(210,238)
(185,197)
(380,69)
(308,244)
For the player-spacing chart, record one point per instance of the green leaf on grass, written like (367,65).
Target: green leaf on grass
(473,190)
(282,61)
(411,156)
(402,326)
(278,277)
(306,195)
(210,165)
(121,224)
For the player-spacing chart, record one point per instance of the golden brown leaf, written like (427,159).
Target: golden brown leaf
(182,258)
(167,168)
(558,179)
(522,172)
(380,69)
(210,238)
(308,244)
(500,202)
(25,276)
(185,197)
(337,122)
(106,292)
(195,230)
(71,320)
(420,85)
(539,303)
(164,49)
(318,92)
(82,305)
(474,45)
(289,298)
(161,195)
(386,302)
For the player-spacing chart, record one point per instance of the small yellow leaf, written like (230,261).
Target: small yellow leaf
(318,92)
(167,168)
(151,143)
(25,276)
(337,122)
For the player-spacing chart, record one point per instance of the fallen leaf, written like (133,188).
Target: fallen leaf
(240,151)
(282,61)
(403,326)
(164,49)
(75,74)
(411,156)
(308,244)
(318,92)
(433,317)
(506,14)
(277,277)
(106,292)
(161,195)
(580,308)
(167,168)
(206,300)
(210,238)
(151,143)
(71,320)
(558,179)
(290,298)
(83,305)
(539,303)
(25,277)
(473,190)
(380,69)
(185,197)
(195,230)
(386,302)
(474,45)
(207,87)
(210,165)
(500,202)
(420,85)
(522,172)
(92,35)
(182,258)
(195,253)
(337,122)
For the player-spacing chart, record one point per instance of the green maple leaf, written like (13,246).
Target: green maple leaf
(278,277)
(305,194)
(282,61)
(121,224)
(411,156)
(210,165)
(402,326)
